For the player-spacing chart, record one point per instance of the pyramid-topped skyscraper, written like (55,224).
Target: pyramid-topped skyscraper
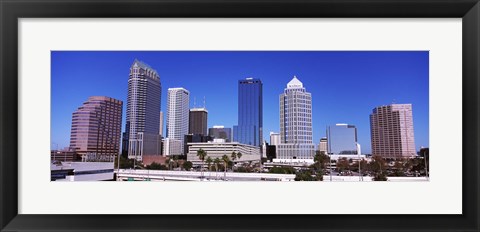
(295,123)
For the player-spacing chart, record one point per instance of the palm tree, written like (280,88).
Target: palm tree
(201,155)
(216,161)
(225,162)
(168,162)
(234,156)
(209,163)
(175,161)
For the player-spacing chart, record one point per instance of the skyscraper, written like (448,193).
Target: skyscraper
(96,128)
(177,113)
(295,122)
(342,139)
(198,121)
(274,138)
(250,113)
(160,129)
(143,111)
(391,128)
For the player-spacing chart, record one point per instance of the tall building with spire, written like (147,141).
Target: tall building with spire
(391,128)
(249,129)
(296,138)
(143,111)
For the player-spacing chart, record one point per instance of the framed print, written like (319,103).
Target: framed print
(207,115)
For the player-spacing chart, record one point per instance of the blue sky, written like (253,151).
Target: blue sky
(345,85)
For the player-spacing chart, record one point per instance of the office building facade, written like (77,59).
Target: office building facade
(249,129)
(323,145)
(392,134)
(172,147)
(177,113)
(96,128)
(220,132)
(143,109)
(160,129)
(218,148)
(198,121)
(295,123)
(194,138)
(274,138)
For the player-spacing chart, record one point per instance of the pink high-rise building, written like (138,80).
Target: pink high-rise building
(96,128)
(392,133)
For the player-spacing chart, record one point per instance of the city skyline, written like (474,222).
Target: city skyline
(327,93)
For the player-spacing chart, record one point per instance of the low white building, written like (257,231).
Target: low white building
(172,147)
(81,171)
(219,147)
(287,151)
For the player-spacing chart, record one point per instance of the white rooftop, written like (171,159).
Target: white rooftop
(218,127)
(199,109)
(294,83)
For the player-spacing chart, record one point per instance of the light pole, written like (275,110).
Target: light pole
(118,165)
(360,177)
(330,161)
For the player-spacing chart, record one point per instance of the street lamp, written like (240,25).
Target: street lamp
(359,151)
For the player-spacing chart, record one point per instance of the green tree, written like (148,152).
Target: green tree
(282,170)
(175,161)
(234,157)
(400,167)
(187,165)
(239,155)
(209,161)
(225,160)
(169,163)
(125,163)
(201,155)
(216,161)
(157,166)
(305,175)
(378,167)
(343,164)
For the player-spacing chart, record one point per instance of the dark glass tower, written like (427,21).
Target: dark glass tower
(250,112)
(143,109)
(198,121)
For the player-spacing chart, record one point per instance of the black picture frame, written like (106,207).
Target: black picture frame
(11,11)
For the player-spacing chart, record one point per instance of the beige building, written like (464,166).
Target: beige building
(96,127)
(295,123)
(219,147)
(323,145)
(392,132)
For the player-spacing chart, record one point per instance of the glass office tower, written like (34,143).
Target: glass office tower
(342,139)
(250,113)
(143,111)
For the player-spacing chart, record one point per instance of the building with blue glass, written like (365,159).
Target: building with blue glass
(342,139)
(250,113)
(143,112)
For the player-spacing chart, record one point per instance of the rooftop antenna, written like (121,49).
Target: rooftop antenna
(204,105)
(194,102)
